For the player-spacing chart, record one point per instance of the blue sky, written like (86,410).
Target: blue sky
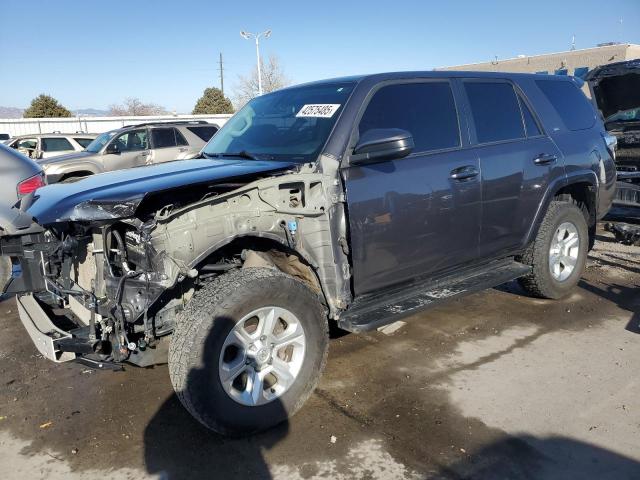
(93,54)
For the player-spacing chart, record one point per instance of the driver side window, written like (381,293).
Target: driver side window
(425,109)
(132,141)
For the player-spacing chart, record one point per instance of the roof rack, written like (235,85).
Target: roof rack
(170,122)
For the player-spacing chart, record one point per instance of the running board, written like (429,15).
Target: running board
(373,311)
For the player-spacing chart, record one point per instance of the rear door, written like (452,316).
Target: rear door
(410,218)
(164,147)
(517,161)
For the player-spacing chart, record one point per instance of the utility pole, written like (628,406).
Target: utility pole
(221,75)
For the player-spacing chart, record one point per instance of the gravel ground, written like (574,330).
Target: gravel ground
(495,385)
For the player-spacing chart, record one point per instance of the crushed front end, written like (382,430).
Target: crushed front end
(84,292)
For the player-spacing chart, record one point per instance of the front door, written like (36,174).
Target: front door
(416,216)
(132,150)
(516,159)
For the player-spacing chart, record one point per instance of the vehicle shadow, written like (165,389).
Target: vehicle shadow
(528,457)
(176,446)
(624,296)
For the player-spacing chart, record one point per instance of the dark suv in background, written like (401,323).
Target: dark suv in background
(355,201)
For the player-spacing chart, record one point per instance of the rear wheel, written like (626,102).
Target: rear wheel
(248,350)
(559,252)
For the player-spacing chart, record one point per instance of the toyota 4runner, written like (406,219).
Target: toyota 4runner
(356,201)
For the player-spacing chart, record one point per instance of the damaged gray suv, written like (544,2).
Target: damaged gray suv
(354,201)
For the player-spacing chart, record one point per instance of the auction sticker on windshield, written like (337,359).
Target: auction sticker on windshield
(322,110)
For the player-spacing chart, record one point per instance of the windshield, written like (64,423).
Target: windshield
(632,115)
(291,124)
(99,142)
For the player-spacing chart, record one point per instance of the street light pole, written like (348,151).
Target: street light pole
(247,36)
(259,62)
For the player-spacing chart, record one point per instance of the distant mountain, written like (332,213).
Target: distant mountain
(91,112)
(11,112)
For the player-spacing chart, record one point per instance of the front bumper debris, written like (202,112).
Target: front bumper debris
(625,233)
(44,334)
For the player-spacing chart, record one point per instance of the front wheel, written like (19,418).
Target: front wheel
(248,350)
(559,252)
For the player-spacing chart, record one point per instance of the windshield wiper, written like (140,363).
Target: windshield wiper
(241,154)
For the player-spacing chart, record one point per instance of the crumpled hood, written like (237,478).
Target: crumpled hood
(65,158)
(117,194)
(616,86)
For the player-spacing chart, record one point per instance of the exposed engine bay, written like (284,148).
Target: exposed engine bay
(615,88)
(116,274)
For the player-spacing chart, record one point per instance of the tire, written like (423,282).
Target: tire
(542,282)
(5,272)
(197,353)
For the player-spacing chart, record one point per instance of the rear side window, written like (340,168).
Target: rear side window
(180,140)
(529,121)
(163,137)
(204,133)
(84,142)
(56,145)
(426,110)
(495,111)
(571,104)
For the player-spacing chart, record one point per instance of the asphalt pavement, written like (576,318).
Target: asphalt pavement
(495,385)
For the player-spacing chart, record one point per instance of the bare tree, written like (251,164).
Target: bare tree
(135,106)
(273,78)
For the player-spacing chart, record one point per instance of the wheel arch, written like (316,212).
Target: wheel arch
(76,173)
(582,187)
(265,249)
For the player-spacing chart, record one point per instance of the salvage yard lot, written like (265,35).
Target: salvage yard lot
(494,385)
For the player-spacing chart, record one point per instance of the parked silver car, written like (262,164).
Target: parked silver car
(47,145)
(21,177)
(131,146)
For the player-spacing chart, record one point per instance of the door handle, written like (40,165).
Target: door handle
(464,173)
(545,159)
(145,154)
(183,149)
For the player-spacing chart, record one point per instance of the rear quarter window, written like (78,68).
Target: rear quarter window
(84,142)
(204,133)
(570,103)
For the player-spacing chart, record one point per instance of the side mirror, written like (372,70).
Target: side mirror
(380,144)
(113,148)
